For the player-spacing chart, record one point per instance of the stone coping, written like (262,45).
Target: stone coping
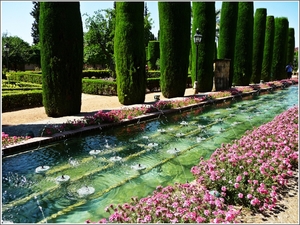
(37,142)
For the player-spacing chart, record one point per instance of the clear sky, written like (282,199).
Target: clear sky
(17,21)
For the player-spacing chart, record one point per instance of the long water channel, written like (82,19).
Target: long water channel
(74,180)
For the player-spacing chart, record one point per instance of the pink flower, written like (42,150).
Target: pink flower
(249,196)
(236,185)
(223,188)
(240,195)
(238,178)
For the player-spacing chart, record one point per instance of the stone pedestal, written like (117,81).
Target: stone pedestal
(221,76)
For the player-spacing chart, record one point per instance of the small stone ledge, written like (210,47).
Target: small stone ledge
(41,141)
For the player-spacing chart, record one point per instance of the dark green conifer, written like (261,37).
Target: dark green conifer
(258,43)
(204,18)
(174,39)
(280,48)
(242,65)
(226,42)
(61,39)
(268,49)
(129,51)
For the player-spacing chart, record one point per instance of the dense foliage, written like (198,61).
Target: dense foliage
(18,54)
(153,54)
(290,46)
(268,49)
(243,45)
(175,22)
(204,18)
(258,43)
(229,13)
(280,48)
(129,50)
(61,57)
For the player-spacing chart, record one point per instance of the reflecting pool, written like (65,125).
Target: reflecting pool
(75,179)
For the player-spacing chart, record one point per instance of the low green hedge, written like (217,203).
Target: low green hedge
(99,87)
(96,74)
(25,95)
(21,99)
(27,76)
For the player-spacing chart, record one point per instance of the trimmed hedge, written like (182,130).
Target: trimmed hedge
(259,30)
(226,42)
(174,23)
(21,99)
(153,53)
(242,65)
(279,49)
(290,46)
(99,87)
(129,52)
(61,42)
(268,49)
(96,73)
(204,18)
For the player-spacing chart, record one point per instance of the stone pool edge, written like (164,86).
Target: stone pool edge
(42,141)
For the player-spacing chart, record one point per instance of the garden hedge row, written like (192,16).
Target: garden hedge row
(27,96)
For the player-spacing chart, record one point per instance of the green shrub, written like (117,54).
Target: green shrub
(27,76)
(99,87)
(96,73)
(21,99)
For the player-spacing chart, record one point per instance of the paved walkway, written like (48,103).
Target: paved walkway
(36,119)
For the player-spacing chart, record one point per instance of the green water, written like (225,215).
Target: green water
(28,197)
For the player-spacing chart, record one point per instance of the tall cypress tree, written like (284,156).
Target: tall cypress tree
(204,18)
(174,39)
(279,48)
(130,53)
(243,44)
(226,44)
(290,46)
(153,54)
(61,57)
(258,43)
(268,49)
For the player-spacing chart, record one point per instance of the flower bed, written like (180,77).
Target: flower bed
(9,140)
(250,172)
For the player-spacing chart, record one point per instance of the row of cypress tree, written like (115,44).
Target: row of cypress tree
(254,56)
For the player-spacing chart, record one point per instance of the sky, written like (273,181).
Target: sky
(17,21)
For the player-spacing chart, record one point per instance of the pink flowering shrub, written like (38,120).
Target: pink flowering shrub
(250,172)
(11,140)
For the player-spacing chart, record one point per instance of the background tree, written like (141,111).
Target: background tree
(243,44)
(61,57)
(268,49)
(153,54)
(174,23)
(290,46)
(226,41)
(19,52)
(35,26)
(258,43)
(204,18)
(280,48)
(35,55)
(99,39)
(130,53)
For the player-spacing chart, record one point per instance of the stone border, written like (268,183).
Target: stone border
(42,141)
